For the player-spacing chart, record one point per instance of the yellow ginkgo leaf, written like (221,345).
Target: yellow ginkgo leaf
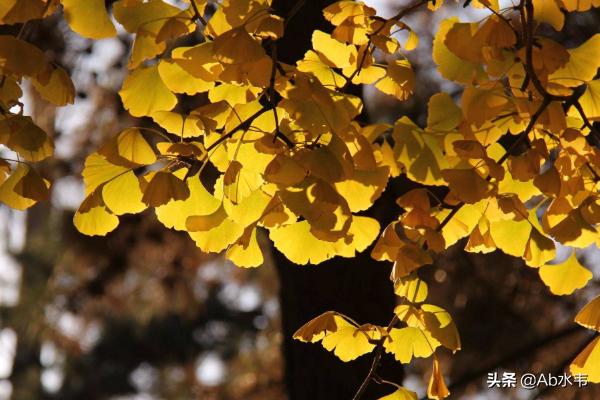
(97,170)
(324,73)
(548,11)
(122,195)
(237,47)
(22,135)
(511,236)
(450,65)
(582,65)
(566,277)
(156,96)
(163,188)
(20,58)
(219,237)
(467,185)
(442,113)
(89,18)
(20,11)
(580,5)
(437,389)
(15,197)
(301,246)
(186,126)
(32,186)
(399,80)
(200,202)
(246,252)
(406,343)
(180,76)
(419,152)
(131,146)
(590,101)
(333,52)
(233,94)
(441,326)
(349,342)
(55,86)
(363,188)
(586,363)
(93,218)
(400,394)
(315,329)
(412,288)
(589,316)
(139,14)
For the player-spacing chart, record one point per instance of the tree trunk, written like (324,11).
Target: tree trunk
(358,287)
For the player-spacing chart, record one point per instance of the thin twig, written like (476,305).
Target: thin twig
(376,361)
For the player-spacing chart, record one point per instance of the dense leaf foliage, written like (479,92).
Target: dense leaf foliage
(293,158)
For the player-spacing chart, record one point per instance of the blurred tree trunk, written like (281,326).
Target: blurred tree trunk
(358,287)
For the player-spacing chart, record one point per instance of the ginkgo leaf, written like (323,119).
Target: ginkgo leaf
(122,195)
(22,135)
(440,325)
(420,153)
(20,58)
(437,389)
(566,277)
(450,65)
(20,11)
(443,114)
(586,363)
(400,394)
(32,186)
(157,97)
(131,146)
(346,340)
(301,247)
(224,233)
(233,94)
(582,65)
(185,76)
(164,187)
(93,218)
(590,100)
(250,209)
(399,80)
(412,288)
(246,252)
(349,342)
(89,18)
(332,51)
(186,126)
(548,11)
(315,329)
(363,188)
(589,316)
(324,73)
(406,343)
(237,47)
(511,236)
(23,197)
(580,5)
(175,213)
(97,170)
(466,184)
(55,86)
(136,14)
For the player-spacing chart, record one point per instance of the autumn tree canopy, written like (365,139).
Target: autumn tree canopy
(511,163)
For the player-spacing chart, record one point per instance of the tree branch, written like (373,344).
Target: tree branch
(376,361)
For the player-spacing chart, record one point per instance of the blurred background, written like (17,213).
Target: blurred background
(143,314)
